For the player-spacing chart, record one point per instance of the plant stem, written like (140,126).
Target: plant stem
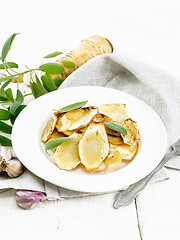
(16,75)
(27,94)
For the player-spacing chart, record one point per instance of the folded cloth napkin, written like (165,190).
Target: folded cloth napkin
(154,87)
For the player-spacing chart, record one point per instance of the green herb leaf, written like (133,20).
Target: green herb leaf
(4,114)
(36,91)
(58,81)
(4,141)
(56,142)
(3,95)
(6,83)
(53,68)
(48,83)
(54,54)
(33,90)
(116,127)
(72,107)
(7,46)
(19,100)
(69,64)
(5,127)
(41,87)
(9,94)
(18,110)
(8,65)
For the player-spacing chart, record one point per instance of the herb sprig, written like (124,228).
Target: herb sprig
(39,86)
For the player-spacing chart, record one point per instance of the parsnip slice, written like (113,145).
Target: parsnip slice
(102,167)
(49,128)
(115,140)
(116,111)
(93,146)
(127,151)
(132,136)
(66,156)
(64,123)
(113,160)
(75,114)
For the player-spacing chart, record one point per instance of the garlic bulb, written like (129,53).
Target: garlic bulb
(29,199)
(1,171)
(12,167)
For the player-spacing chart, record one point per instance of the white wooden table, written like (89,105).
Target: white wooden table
(144,30)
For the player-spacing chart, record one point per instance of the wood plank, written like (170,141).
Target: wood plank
(159,209)
(80,218)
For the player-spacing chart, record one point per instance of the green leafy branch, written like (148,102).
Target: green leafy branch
(9,71)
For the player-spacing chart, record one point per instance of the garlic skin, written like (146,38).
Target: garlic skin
(5,153)
(12,167)
(29,199)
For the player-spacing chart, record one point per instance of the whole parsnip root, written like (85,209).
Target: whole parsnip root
(88,49)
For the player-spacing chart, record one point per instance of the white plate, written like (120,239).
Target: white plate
(29,149)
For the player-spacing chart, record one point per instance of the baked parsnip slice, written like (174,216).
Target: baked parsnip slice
(93,146)
(64,123)
(49,128)
(132,136)
(127,151)
(116,111)
(75,114)
(115,140)
(66,156)
(102,167)
(113,160)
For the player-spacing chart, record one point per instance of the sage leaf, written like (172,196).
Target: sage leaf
(33,89)
(4,114)
(41,87)
(9,94)
(54,54)
(5,127)
(19,100)
(116,127)
(7,46)
(18,110)
(69,64)
(4,141)
(6,83)
(72,107)
(56,142)
(36,91)
(3,95)
(58,81)
(48,83)
(53,68)
(8,65)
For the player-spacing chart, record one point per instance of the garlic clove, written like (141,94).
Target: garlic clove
(29,199)
(5,153)
(12,167)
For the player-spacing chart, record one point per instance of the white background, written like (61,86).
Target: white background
(146,30)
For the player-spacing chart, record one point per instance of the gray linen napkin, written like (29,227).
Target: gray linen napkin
(154,87)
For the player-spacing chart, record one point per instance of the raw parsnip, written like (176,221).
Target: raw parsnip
(88,49)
